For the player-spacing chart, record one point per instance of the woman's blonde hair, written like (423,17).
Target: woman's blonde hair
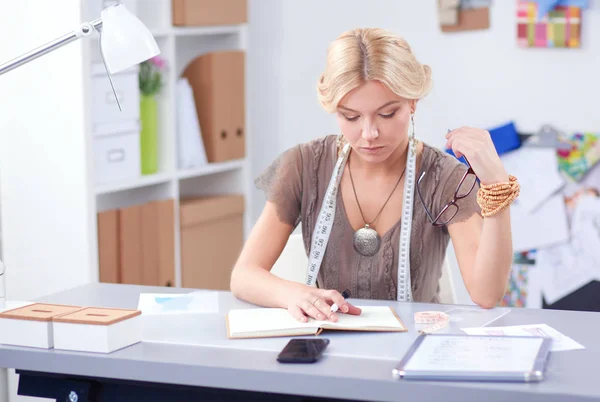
(367,54)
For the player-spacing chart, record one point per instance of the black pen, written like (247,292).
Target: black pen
(345,294)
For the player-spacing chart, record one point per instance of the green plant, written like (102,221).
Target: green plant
(151,75)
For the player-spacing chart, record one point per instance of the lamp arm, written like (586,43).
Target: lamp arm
(84,30)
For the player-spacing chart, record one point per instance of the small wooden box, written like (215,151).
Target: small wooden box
(31,325)
(218,82)
(209,12)
(95,329)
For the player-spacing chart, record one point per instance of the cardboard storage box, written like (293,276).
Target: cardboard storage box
(209,12)
(101,330)
(31,325)
(212,236)
(217,80)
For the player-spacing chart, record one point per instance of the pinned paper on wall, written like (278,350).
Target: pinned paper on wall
(463,15)
(559,27)
(583,154)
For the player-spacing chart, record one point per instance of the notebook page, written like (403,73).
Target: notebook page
(371,316)
(263,319)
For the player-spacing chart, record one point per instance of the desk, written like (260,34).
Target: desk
(248,371)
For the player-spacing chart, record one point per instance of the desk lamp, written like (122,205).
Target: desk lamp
(124,42)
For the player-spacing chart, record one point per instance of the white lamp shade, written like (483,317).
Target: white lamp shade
(125,40)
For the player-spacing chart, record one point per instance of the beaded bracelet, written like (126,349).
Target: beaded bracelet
(493,198)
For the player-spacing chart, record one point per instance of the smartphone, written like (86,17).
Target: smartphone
(301,350)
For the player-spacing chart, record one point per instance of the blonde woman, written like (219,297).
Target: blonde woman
(351,195)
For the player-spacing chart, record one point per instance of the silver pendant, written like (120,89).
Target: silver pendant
(366,241)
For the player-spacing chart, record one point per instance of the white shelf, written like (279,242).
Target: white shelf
(198,31)
(142,181)
(212,168)
(162,178)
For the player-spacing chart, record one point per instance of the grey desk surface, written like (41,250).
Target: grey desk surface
(357,365)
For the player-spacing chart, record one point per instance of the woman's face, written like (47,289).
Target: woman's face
(374,120)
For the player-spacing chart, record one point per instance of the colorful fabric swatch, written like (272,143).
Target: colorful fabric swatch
(583,155)
(561,27)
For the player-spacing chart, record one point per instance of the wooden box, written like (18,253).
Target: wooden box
(31,325)
(218,82)
(209,12)
(94,329)
(212,236)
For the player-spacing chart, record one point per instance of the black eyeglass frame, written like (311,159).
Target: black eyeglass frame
(435,222)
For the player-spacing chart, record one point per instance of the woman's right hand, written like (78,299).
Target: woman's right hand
(316,303)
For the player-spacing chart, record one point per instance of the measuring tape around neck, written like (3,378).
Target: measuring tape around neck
(320,236)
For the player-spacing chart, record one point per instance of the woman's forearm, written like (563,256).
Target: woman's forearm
(493,260)
(256,285)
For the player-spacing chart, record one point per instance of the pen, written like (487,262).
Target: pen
(345,294)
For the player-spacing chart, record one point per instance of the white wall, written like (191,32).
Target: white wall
(42,152)
(480,78)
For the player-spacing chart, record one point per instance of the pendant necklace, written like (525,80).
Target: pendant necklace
(366,239)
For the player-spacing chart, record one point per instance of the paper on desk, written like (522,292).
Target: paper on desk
(202,302)
(560,342)
(567,267)
(538,174)
(546,226)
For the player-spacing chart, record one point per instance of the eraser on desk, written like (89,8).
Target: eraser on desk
(31,325)
(95,329)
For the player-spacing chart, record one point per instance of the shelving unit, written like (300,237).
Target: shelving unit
(179,46)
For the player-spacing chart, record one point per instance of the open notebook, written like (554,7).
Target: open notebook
(271,322)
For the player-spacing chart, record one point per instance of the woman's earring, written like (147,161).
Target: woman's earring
(413,142)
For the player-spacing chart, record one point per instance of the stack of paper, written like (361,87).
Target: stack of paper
(560,342)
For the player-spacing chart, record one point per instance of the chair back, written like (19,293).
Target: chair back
(293,261)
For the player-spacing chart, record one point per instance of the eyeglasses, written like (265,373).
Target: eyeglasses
(449,211)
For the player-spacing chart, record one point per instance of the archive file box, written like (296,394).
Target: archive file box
(218,83)
(212,235)
(209,12)
(31,325)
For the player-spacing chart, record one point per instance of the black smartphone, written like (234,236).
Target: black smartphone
(302,350)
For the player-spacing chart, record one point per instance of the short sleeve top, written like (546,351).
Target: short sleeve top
(296,183)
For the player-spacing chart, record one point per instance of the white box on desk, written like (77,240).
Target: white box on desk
(104,103)
(117,152)
(94,329)
(31,325)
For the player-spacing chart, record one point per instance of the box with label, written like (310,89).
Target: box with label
(31,325)
(95,329)
(117,153)
(218,84)
(209,12)
(212,235)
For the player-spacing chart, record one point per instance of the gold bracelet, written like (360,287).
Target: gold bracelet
(494,198)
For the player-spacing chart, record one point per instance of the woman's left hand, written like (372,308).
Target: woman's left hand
(477,146)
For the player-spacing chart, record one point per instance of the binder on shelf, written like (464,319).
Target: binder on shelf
(158,243)
(130,245)
(136,244)
(217,80)
(108,246)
